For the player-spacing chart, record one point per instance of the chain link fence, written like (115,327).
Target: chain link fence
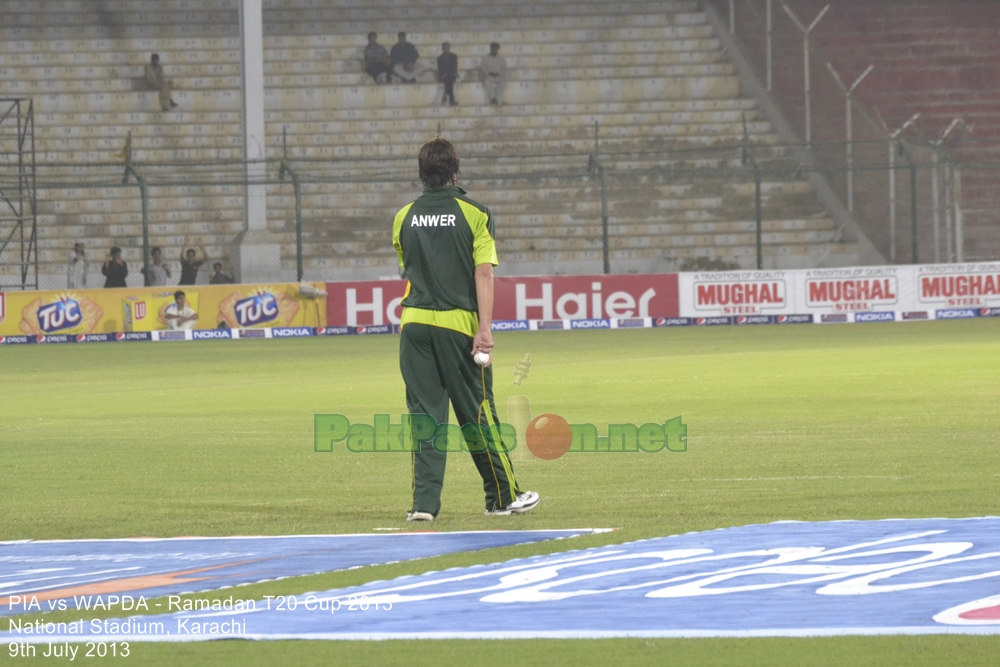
(735,206)
(904,190)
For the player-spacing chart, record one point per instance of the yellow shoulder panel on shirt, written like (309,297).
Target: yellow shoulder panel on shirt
(397,225)
(484,248)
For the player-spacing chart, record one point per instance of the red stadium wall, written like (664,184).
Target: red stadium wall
(376,302)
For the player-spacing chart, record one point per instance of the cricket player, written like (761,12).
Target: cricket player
(445,242)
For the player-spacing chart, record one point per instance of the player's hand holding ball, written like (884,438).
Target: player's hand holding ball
(482,345)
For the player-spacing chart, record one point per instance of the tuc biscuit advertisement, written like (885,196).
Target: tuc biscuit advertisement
(95,311)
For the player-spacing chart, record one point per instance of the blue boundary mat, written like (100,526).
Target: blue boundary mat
(60,574)
(895,576)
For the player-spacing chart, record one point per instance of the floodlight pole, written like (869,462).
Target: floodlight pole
(805,58)
(848,91)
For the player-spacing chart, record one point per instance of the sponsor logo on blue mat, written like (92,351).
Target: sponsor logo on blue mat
(16,340)
(134,335)
(989,312)
(253,333)
(793,319)
(896,576)
(549,324)
(672,322)
(827,318)
(333,331)
(97,338)
(227,561)
(875,317)
(511,325)
(712,321)
(211,334)
(590,324)
(916,315)
(955,313)
(373,329)
(631,323)
(58,338)
(754,319)
(172,335)
(291,332)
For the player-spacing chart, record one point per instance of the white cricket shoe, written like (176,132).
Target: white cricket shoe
(525,502)
(419,516)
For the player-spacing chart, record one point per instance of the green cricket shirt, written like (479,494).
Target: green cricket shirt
(440,238)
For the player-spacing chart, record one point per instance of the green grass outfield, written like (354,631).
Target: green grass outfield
(785,422)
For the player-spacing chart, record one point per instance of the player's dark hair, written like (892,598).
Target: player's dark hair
(438,163)
(178,294)
(372,34)
(115,250)
(156,249)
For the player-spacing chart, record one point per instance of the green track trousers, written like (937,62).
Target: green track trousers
(437,365)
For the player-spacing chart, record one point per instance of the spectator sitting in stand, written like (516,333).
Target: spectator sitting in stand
(404,59)
(115,269)
(179,315)
(219,278)
(448,73)
(493,72)
(190,265)
(377,60)
(156,78)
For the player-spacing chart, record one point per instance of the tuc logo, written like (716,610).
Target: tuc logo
(257,309)
(62,314)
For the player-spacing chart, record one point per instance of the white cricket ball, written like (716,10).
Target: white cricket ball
(482,358)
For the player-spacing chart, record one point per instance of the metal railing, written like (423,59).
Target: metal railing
(18,220)
(743,203)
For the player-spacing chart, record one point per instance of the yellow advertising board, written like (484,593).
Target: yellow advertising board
(84,311)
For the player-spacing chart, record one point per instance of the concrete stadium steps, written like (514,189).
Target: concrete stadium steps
(14,67)
(42,19)
(70,86)
(652,75)
(526,141)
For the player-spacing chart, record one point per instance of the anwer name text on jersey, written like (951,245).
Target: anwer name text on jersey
(433,221)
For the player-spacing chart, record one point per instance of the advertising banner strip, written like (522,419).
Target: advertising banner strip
(99,312)
(851,294)
(513,325)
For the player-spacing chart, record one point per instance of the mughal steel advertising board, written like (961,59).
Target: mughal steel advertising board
(859,294)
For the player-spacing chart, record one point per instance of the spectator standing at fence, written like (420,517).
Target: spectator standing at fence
(76,270)
(179,315)
(157,79)
(404,60)
(377,61)
(115,269)
(493,73)
(159,272)
(190,265)
(448,73)
(219,278)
